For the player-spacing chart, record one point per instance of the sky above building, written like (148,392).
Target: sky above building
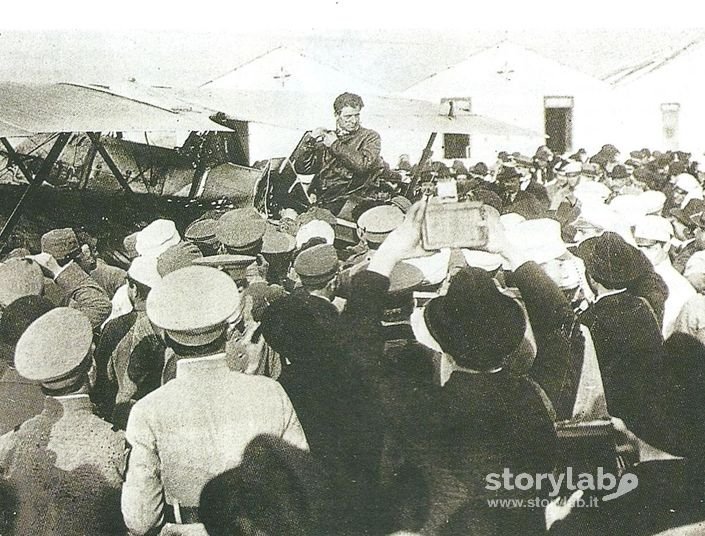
(389,44)
(393,60)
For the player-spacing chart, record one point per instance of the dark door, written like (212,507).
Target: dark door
(559,127)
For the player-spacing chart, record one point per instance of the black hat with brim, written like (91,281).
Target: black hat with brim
(474,322)
(611,261)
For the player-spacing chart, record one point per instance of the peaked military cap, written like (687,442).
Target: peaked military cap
(234,265)
(378,222)
(55,347)
(275,242)
(317,264)
(178,256)
(60,243)
(193,304)
(399,301)
(202,231)
(240,229)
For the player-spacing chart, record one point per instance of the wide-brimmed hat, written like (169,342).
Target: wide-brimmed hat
(474,322)
(611,261)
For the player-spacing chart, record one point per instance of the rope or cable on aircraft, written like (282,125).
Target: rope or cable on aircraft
(50,138)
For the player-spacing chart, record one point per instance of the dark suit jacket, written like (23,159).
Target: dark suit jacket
(524,204)
(559,342)
(629,349)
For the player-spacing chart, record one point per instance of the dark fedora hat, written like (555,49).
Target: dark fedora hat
(508,173)
(611,261)
(479,170)
(474,322)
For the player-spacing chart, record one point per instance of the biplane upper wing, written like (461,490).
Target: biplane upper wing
(28,109)
(302,111)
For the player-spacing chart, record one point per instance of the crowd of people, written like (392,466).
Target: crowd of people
(255,376)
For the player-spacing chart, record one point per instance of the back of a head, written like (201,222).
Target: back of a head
(300,328)
(277,489)
(15,320)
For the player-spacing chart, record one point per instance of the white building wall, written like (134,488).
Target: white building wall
(509,83)
(639,103)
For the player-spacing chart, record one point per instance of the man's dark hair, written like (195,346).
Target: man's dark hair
(142,289)
(347,99)
(70,257)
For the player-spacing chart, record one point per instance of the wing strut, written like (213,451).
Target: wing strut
(34,183)
(95,138)
(15,159)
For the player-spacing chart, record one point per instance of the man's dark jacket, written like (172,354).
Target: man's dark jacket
(344,167)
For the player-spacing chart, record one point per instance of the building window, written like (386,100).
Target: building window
(558,122)
(670,112)
(456,145)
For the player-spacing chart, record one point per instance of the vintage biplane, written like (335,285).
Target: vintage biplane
(111,159)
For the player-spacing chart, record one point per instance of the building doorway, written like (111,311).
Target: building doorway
(558,123)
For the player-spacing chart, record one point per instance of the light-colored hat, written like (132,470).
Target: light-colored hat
(540,239)
(234,265)
(687,183)
(482,259)
(652,201)
(653,228)
(571,167)
(55,347)
(630,208)
(313,229)
(434,268)
(19,278)
(193,304)
(591,191)
(511,220)
(156,238)
(695,265)
(129,243)
(144,271)
(596,216)
(377,223)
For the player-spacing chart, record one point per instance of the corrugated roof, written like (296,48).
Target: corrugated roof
(33,109)
(635,71)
